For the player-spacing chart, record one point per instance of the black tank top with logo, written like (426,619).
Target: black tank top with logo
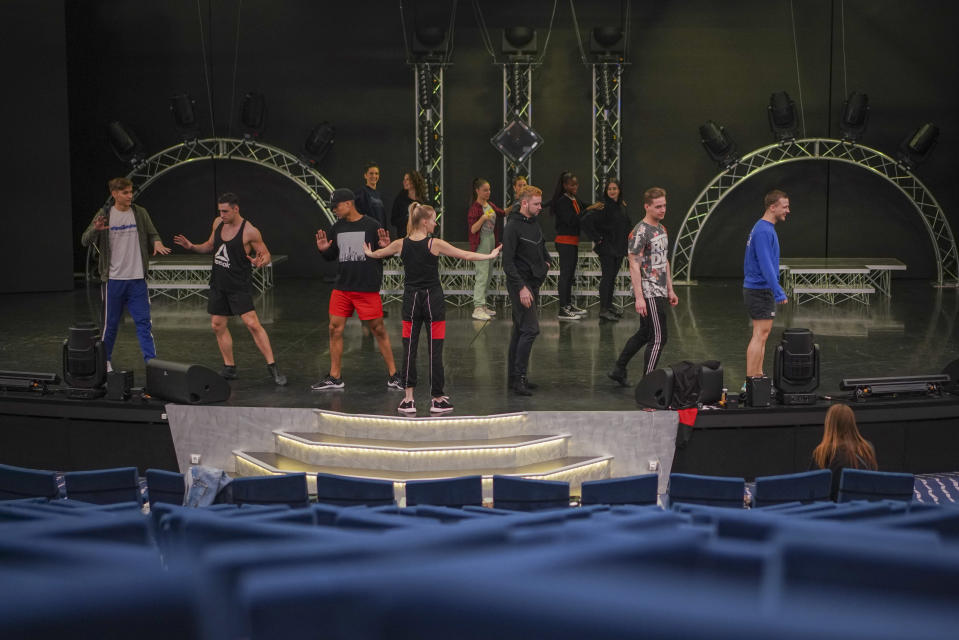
(421,266)
(231,268)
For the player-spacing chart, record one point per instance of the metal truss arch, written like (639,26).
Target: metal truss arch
(876,162)
(283,162)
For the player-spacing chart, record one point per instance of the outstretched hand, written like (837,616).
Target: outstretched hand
(101,223)
(495,252)
(383,237)
(367,249)
(181,240)
(322,242)
(158,248)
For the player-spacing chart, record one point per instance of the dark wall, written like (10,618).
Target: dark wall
(35,241)
(691,61)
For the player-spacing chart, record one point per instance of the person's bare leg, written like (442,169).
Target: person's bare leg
(337,323)
(260,337)
(757,347)
(223,338)
(378,329)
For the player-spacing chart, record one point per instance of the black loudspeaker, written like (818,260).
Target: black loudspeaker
(119,384)
(185,383)
(656,389)
(711,382)
(952,370)
(758,391)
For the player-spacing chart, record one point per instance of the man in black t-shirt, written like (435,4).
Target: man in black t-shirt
(357,286)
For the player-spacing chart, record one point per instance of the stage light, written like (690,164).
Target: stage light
(519,41)
(429,42)
(517,141)
(84,362)
(796,367)
(183,108)
(914,150)
(253,114)
(319,141)
(855,116)
(607,40)
(125,143)
(718,144)
(866,387)
(782,116)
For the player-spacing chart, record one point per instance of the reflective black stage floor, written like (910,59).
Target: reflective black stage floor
(914,332)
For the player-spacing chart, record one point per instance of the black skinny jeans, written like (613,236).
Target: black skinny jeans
(609,264)
(568,254)
(525,330)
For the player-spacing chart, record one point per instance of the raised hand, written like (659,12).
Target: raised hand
(383,237)
(495,252)
(322,242)
(158,248)
(100,223)
(181,240)
(367,249)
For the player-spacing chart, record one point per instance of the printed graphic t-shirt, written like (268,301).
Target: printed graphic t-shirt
(355,272)
(652,244)
(125,260)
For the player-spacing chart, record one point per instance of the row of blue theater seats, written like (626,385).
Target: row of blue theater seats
(885,569)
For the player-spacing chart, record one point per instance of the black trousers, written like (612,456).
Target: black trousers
(525,330)
(609,264)
(568,254)
(424,307)
(652,332)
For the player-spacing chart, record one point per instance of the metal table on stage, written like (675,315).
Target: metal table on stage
(181,276)
(835,280)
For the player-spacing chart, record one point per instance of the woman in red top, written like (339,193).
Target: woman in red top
(567,209)
(485,222)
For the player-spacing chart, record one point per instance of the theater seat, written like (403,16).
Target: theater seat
(806,487)
(525,494)
(104,486)
(164,486)
(17,483)
(638,490)
(449,492)
(289,489)
(347,491)
(708,490)
(861,484)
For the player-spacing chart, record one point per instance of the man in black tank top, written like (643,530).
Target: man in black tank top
(231,241)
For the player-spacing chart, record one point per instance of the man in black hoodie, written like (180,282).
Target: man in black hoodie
(525,262)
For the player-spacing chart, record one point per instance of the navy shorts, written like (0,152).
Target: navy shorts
(760,303)
(229,303)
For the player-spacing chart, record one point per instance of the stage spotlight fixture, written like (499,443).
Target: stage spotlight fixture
(84,362)
(865,387)
(518,41)
(796,367)
(855,116)
(914,150)
(718,144)
(607,40)
(27,381)
(253,114)
(517,141)
(183,108)
(429,42)
(125,143)
(318,142)
(782,116)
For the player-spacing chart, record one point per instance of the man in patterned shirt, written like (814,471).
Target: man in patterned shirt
(652,285)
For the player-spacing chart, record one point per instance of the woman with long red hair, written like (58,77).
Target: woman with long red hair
(842,446)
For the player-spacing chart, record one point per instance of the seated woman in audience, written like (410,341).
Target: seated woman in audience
(842,446)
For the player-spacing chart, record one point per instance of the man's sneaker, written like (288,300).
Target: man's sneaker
(532,386)
(480,313)
(109,366)
(407,406)
(619,375)
(490,311)
(394,381)
(577,310)
(329,382)
(520,387)
(228,372)
(608,316)
(441,405)
(616,311)
(278,378)
(566,313)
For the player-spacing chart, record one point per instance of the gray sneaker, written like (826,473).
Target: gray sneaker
(327,383)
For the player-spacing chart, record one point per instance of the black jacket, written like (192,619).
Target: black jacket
(609,228)
(567,220)
(525,259)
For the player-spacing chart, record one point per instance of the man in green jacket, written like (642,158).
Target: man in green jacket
(123,234)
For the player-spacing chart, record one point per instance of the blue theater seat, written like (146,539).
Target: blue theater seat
(18,482)
(104,486)
(289,489)
(706,490)
(861,484)
(806,487)
(525,494)
(165,486)
(638,490)
(449,492)
(347,491)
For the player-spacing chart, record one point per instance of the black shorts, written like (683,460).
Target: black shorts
(229,303)
(760,303)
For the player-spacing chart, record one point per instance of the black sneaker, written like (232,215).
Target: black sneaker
(441,405)
(567,314)
(619,375)
(407,406)
(329,382)
(608,316)
(228,372)
(520,387)
(278,378)
(529,385)
(616,311)
(577,310)
(394,381)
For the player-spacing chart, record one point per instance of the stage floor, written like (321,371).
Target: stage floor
(914,332)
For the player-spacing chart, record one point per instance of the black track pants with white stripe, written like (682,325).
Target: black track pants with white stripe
(652,333)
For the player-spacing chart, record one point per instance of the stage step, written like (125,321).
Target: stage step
(324,450)
(572,469)
(425,429)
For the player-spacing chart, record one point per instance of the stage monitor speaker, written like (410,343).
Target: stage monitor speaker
(185,383)
(758,391)
(119,384)
(710,382)
(656,389)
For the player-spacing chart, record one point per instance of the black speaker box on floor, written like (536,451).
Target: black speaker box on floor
(119,384)
(758,391)
(185,383)
(656,389)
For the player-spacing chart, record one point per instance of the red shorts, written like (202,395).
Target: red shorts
(368,304)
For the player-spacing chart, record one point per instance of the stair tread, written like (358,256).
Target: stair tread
(485,443)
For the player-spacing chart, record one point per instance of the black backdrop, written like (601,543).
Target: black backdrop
(691,61)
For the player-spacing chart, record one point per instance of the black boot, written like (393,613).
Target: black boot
(520,387)
(532,386)
(278,378)
(228,372)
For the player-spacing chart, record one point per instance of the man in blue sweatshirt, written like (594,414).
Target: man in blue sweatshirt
(761,290)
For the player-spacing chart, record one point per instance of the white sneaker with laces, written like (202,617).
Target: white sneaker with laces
(479,313)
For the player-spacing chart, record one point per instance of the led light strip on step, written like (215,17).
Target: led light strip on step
(350,417)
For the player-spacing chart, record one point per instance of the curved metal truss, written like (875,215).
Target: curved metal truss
(283,162)
(878,163)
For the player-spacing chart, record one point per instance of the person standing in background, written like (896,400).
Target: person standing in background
(485,221)
(368,200)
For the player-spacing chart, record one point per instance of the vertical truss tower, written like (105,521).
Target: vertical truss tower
(428,104)
(607,102)
(518,105)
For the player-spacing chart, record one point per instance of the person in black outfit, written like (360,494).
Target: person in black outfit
(368,200)
(414,190)
(423,301)
(842,446)
(566,209)
(525,262)
(232,241)
(608,227)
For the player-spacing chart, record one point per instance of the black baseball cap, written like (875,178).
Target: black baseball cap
(341,195)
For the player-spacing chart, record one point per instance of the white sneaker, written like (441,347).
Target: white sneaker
(479,313)
(492,312)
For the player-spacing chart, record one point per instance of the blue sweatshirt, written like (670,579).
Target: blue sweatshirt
(761,264)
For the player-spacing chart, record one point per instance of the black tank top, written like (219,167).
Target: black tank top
(421,266)
(231,268)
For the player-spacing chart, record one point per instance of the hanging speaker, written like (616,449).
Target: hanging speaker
(655,390)
(185,383)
